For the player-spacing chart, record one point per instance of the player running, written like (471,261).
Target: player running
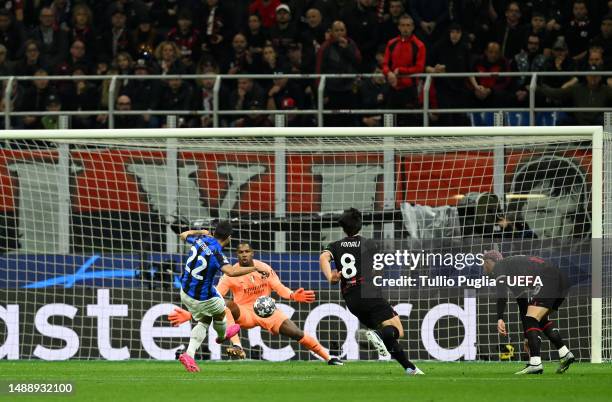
(535,303)
(362,298)
(197,291)
(246,289)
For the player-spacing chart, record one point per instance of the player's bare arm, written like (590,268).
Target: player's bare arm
(187,233)
(332,276)
(233,271)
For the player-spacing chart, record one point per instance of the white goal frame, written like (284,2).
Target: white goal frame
(591,133)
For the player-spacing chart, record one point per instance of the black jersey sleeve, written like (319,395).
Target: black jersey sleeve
(501,291)
(501,307)
(330,248)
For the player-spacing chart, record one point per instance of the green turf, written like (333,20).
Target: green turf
(309,382)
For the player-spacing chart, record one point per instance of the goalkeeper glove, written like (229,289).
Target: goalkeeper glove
(179,316)
(303,296)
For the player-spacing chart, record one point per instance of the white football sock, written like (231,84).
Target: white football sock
(535,360)
(220,327)
(198,334)
(563,350)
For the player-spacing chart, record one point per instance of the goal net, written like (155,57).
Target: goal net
(90,258)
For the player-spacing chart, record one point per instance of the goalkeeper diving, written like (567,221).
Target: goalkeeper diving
(202,299)
(245,290)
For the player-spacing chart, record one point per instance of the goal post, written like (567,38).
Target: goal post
(90,260)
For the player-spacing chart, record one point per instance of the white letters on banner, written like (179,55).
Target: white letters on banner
(149,333)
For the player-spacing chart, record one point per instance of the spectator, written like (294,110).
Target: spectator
(493,90)
(595,58)
(266,10)
(167,56)
(604,40)
(311,38)
(61,10)
(339,55)
(579,31)
(284,32)
(477,17)
(374,93)
(293,119)
(145,37)
(361,24)
(508,34)
(388,27)
(11,34)
(187,38)
(176,95)
(559,61)
(132,9)
(164,12)
(77,56)
(256,37)
(53,103)
(204,95)
(430,18)
(240,60)
(270,64)
(5,69)
(282,89)
(124,104)
(327,8)
(53,40)
(80,95)
(537,26)
(450,55)
(118,38)
(528,61)
(17,6)
(592,94)
(144,94)
(252,119)
(82,25)
(32,59)
(216,28)
(246,94)
(123,63)
(34,99)
(404,55)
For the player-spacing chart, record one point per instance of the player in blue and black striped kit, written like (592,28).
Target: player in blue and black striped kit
(199,294)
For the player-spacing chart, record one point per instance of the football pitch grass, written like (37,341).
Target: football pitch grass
(250,381)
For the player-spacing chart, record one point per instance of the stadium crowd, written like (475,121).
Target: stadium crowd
(140,37)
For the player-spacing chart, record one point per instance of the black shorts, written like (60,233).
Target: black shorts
(552,293)
(552,304)
(371,312)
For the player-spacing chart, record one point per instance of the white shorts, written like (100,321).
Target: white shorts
(203,308)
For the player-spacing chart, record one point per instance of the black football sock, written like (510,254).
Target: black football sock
(534,339)
(389,335)
(551,332)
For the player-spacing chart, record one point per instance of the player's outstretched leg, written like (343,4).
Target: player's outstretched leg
(220,325)
(198,334)
(378,343)
(232,313)
(566,358)
(288,328)
(389,335)
(533,333)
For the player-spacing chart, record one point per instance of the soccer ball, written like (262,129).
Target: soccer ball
(264,306)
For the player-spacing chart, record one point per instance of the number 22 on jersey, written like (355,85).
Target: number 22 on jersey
(201,267)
